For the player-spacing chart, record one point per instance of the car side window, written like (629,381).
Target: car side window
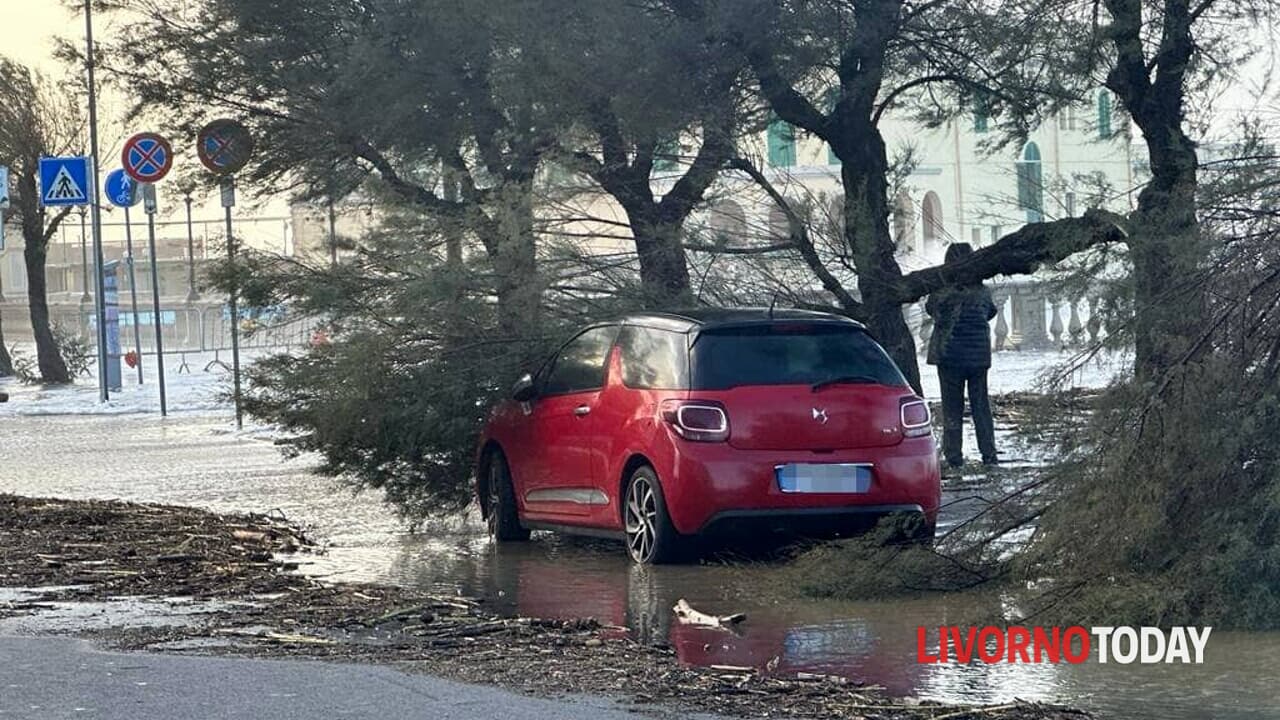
(579,366)
(654,359)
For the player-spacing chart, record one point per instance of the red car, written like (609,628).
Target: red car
(660,427)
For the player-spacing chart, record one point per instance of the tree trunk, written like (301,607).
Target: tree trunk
(1167,252)
(48,355)
(515,264)
(664,271)
(864,171)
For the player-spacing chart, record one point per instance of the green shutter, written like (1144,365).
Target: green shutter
(782,144)
(666,156)
(981,114)
(1104,114)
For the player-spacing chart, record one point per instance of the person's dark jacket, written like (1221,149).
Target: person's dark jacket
(961,334)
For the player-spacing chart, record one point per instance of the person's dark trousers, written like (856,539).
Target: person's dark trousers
(953,381)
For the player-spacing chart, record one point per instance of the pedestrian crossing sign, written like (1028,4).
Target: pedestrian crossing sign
(64,181)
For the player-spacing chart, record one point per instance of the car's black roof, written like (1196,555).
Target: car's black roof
(697,319)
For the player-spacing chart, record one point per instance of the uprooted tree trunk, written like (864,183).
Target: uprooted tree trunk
(1021,252)
(865,171)
(1166,246)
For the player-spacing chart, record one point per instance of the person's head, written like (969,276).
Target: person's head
(957,251)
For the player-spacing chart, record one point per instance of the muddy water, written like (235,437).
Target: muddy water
(197,461)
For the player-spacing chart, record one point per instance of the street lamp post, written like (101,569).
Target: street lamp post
(103,392)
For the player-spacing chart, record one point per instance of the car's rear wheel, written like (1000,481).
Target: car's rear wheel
(651,538)
(503,518)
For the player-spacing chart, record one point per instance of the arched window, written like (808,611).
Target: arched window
(1031,183)
(1104,114)
(728,223)
(931,218)
(782,143)
(903,219)
(779,226)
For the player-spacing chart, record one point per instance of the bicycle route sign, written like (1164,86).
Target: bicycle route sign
(122,190)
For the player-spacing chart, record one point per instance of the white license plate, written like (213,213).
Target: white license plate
(824,478)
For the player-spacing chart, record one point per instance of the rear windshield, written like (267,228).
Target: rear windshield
(787,354)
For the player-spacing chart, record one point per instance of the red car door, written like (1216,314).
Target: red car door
(561,483)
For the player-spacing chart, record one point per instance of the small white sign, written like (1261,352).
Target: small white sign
(4,192)
(228,193)
(149,198)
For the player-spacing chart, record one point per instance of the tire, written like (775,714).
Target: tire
(503,518)
(650,536)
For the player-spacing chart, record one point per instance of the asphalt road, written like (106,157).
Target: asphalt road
(55,678)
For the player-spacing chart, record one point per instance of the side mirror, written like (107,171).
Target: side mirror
(524,391)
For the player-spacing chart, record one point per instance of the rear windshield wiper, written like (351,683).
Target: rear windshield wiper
(846,380)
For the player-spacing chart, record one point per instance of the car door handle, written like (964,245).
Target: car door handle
(582,410)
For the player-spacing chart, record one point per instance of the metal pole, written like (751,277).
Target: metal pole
(155,306)
(133,290)
(84,256)
(229,201)
(100,297)
(192,295)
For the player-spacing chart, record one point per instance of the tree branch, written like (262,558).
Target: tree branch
(799,232)
(1020,252)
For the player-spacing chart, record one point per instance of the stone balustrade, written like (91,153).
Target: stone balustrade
(1030,317)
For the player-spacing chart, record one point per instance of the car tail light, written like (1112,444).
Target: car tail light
(915,417)
(697,420)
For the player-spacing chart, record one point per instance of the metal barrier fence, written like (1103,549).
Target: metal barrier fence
(189,328)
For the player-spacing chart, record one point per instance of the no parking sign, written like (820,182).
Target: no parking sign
(147,157)
(224,146)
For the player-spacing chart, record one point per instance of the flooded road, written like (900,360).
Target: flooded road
(196,460)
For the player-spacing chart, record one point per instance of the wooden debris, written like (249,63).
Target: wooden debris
(279,614)
(685,613)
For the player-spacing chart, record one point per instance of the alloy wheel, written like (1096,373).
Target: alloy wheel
(642,520)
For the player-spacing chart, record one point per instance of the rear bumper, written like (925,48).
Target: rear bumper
(712,485)
(805,522)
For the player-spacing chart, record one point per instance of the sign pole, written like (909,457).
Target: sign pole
(99,298)
(224,146)
(133,289)
(4,210)
(149,202)
(228,202)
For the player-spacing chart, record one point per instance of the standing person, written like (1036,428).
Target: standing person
(961,349)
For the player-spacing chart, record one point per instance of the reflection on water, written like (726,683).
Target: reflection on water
(195,461)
